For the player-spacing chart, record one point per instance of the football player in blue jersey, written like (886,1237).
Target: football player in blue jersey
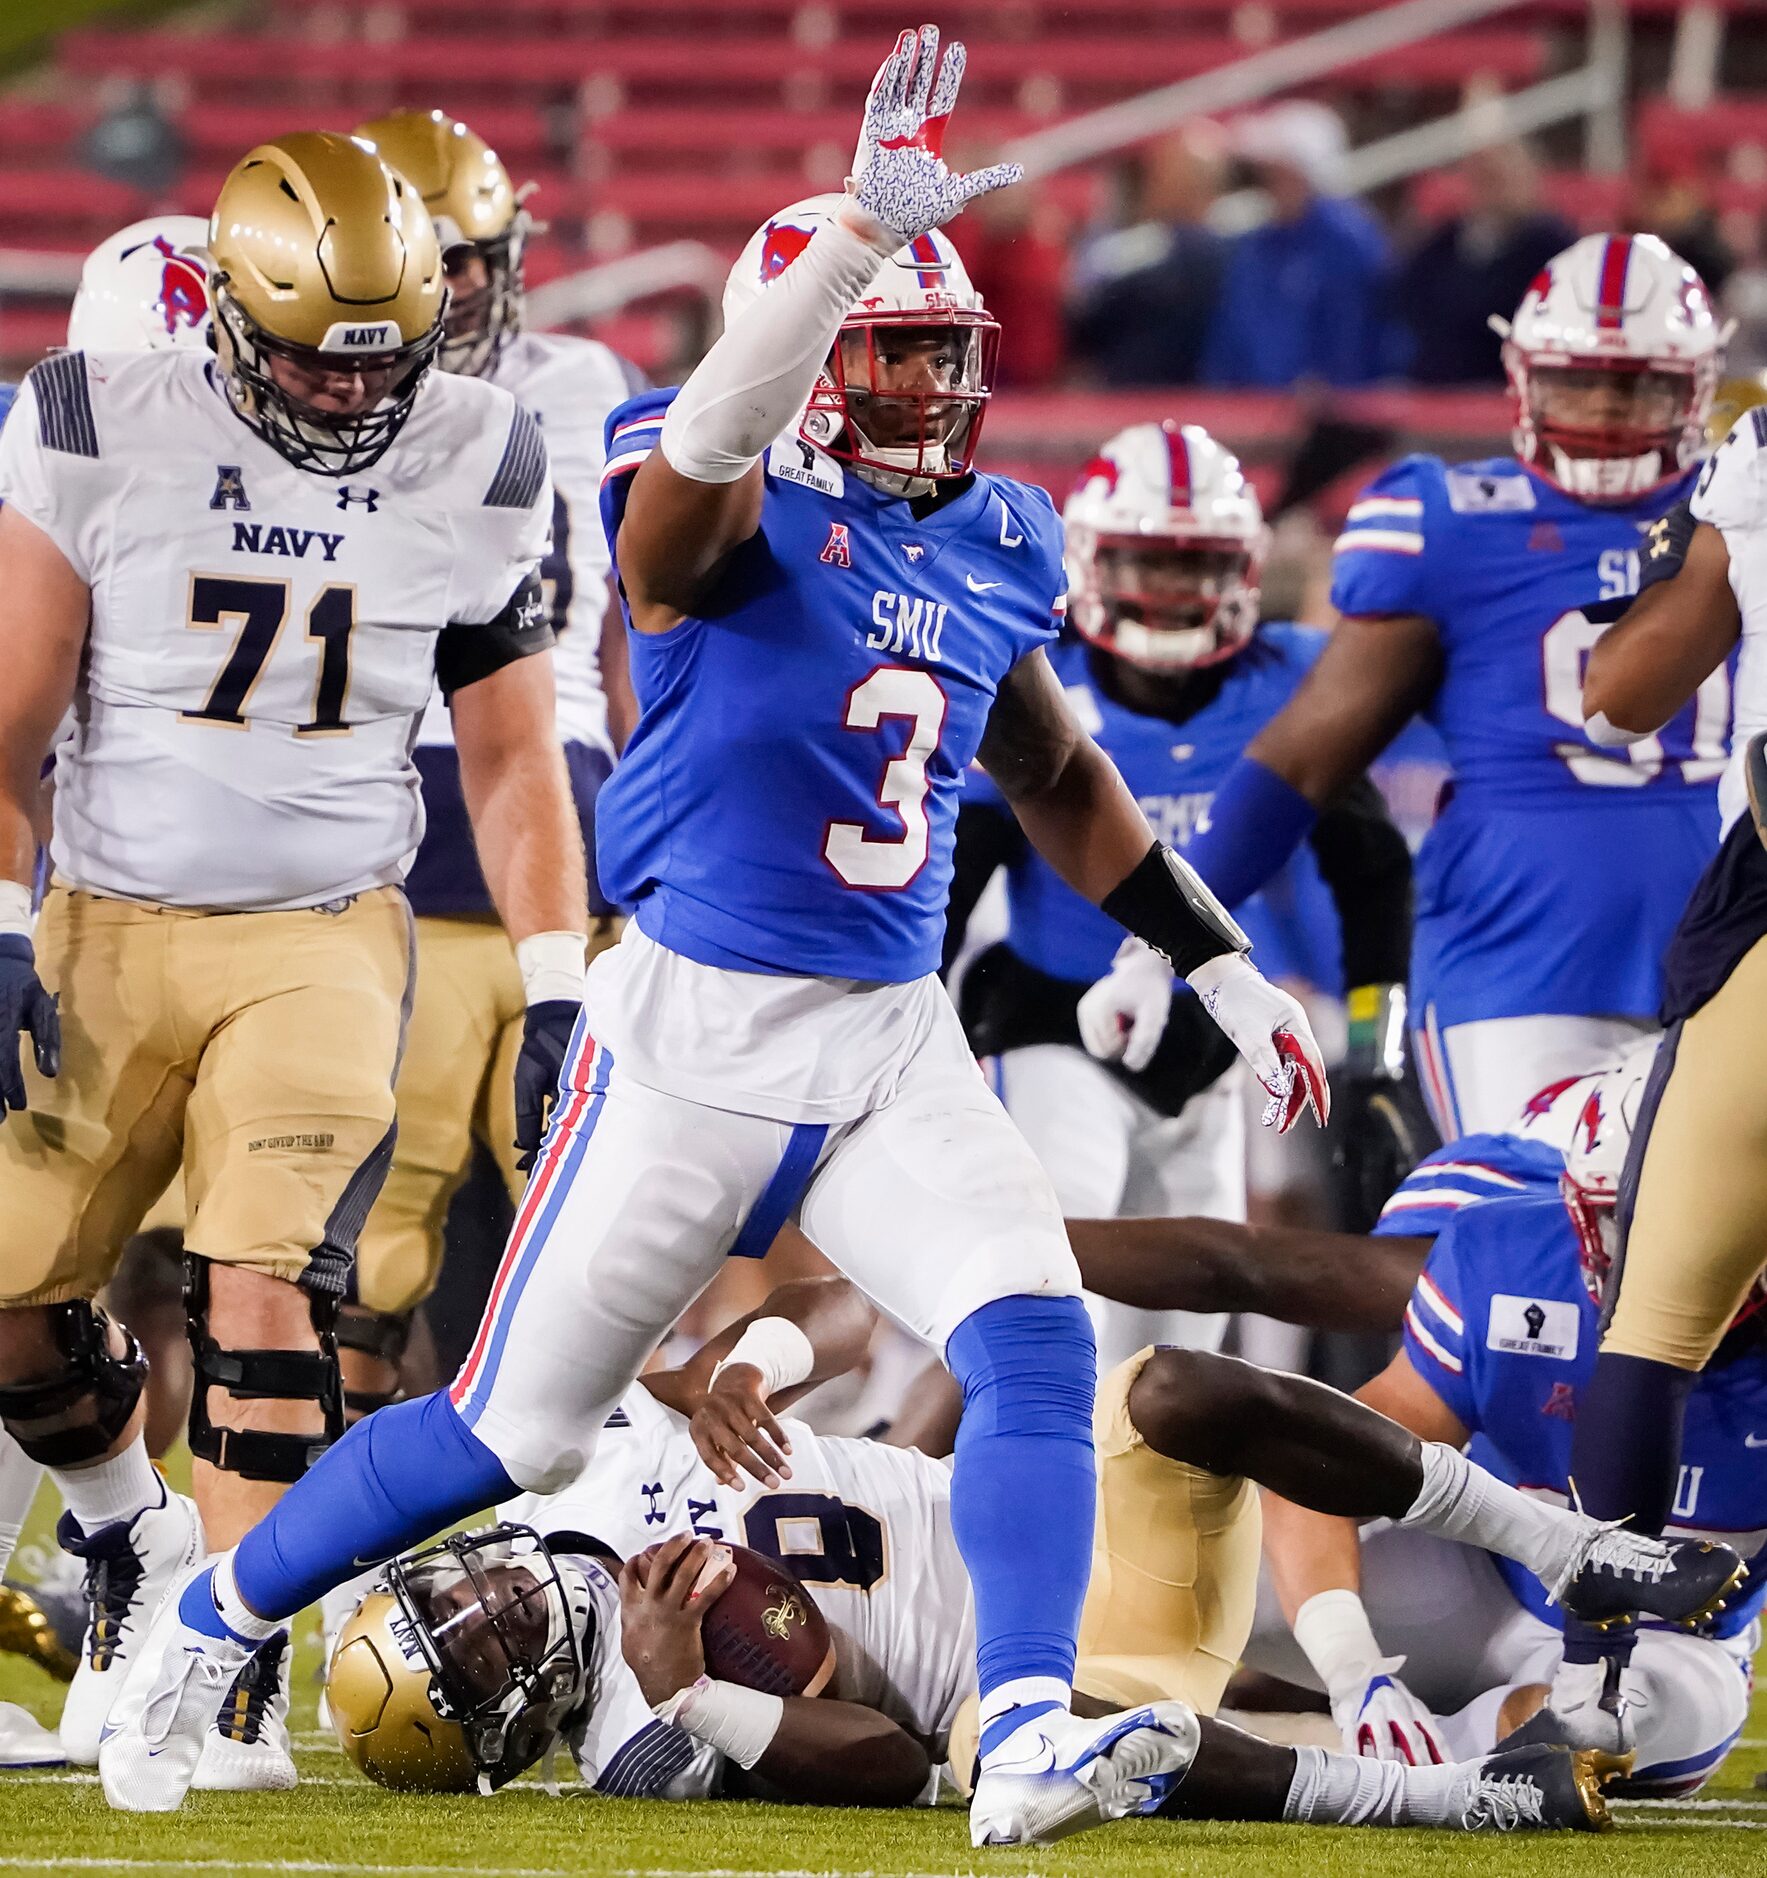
(1461,590)
(1499,1344)
(833,613)
(1169,669)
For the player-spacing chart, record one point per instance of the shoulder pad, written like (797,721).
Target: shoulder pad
(64,405)
(522,469)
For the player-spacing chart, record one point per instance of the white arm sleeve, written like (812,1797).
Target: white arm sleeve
(758,377)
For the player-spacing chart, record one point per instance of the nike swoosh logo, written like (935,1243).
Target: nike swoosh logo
(980,586)
(363,1564)
(1754,1441)
(1008,540)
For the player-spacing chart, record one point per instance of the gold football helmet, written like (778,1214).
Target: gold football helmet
(328,296)
(461,1671)
(477,212)
(1732,398)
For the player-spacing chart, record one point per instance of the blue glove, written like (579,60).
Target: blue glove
(546,1037)
(24,1006)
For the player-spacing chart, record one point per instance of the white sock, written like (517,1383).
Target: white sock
(19,1475)
(236,1614)
(111,1491)
(1332,1628)
(1459,1500)
(1030,1693)
(1347,1790)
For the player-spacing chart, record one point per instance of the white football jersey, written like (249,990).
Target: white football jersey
(263,639)
(1732,496)
(867,1528)
(570,385)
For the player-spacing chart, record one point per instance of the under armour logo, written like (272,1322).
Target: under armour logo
(229,488)
(347,493)
(654,1514)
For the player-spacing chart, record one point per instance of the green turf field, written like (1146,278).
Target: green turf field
(335,1822)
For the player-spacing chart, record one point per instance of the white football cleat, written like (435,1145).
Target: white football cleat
(176,1685)
(1070,1774)
(25,1742)
(128,1567)
(247,1750)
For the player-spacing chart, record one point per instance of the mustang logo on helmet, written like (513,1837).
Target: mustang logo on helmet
(781,244)
(184,294)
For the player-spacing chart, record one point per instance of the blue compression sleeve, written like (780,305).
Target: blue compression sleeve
(1254,824)
(398,1476)
(1024,1485)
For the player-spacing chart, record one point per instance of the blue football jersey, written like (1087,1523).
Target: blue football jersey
(788,801)
(1467,1172)
(1503,1329)
(1172,770)
(1556,871)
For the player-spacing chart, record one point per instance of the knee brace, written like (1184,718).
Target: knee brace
(258,1375)
(73,1418)
(380,1335)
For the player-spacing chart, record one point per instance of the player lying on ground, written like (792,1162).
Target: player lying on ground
(832,613)
(867,1529)
(1499,1346)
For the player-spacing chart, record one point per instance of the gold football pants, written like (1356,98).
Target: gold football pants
(1698,1237)
(256,1051)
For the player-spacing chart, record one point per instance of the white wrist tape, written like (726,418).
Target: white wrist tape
(740,1723)
(1611,736)
(15,908)
(1332,1627)
(778,1349)
(753,383)
(552,966)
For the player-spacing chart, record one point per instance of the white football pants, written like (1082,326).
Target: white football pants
(932,1204)
(1478,1077)
(1467,1643)
(1113,1156)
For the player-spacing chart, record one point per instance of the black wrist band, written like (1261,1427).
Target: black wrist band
(1153,904)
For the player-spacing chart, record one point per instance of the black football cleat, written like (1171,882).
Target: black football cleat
(1618,1575)
(1537,1789)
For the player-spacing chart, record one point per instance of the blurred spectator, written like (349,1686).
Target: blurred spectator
(1307,294)
(1479,263)
(1011,243)
(134,142)
(1678,209)
(1146,293)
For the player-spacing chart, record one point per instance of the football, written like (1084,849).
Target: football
(765,1631)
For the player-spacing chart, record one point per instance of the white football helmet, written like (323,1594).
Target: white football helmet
(1165,540)
(1613,357)
(904,440)
(145,289)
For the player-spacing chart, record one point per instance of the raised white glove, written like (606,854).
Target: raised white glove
(1270,1030)
(1383,1721)
(899,177)
(1123,1016)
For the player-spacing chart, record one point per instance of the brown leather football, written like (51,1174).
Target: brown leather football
(765,1631)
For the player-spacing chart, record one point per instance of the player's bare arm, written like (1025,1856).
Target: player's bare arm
(821,1751)
(732,1387)
(512,773)
(1325,1280)
(42,632)
(1079,815)
(1372,678)
(1646,666)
